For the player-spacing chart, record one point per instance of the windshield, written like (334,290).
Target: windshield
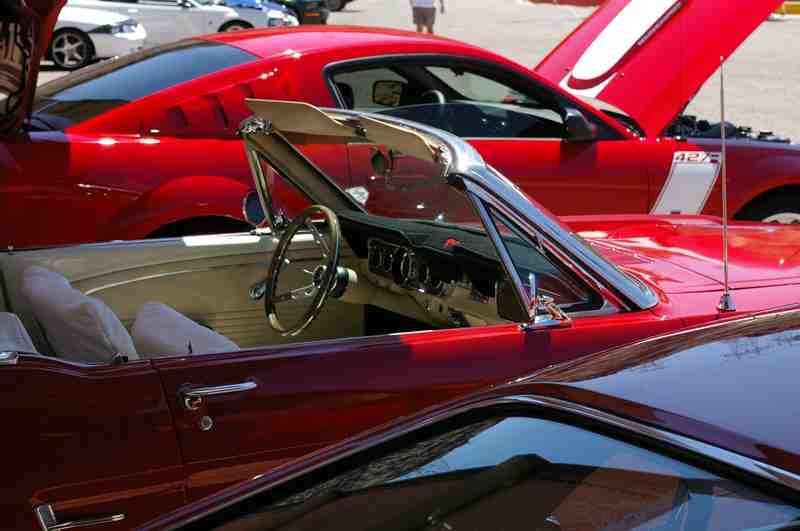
(111,84)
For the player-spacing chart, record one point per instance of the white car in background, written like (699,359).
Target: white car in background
(82,35)
(172,20)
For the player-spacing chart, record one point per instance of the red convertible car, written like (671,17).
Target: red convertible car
(136,376)
(633,438)
(146,145)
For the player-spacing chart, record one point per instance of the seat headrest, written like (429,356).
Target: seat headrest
(78,327)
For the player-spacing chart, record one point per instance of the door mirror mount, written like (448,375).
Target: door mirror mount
(578,128)
(543,312)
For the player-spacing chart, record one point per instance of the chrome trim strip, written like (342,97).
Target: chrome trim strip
(9,358)
(48,522)
(732,459)
(200,392)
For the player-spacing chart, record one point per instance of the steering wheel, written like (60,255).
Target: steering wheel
(436,96)
(322,277)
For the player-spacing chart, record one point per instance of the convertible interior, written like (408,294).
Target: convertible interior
(376,259)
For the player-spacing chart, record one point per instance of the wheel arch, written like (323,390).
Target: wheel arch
(763,197)
(239,21)
(180,200)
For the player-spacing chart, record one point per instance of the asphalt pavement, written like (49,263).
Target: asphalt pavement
(762,78)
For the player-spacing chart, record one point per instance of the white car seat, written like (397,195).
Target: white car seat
(84,329)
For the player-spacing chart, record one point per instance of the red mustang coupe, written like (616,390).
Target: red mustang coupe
(146,145)
(634,438)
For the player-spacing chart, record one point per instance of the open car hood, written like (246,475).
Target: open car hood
(25,30)
(650,57)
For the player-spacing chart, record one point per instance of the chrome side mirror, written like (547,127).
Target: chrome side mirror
(543,312)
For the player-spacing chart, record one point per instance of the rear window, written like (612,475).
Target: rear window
(105,86)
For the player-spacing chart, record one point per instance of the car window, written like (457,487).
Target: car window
(517,472)
(551,279)
(467,100)
(108,85)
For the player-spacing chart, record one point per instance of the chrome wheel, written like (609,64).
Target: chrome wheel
(71,50)
(786,218)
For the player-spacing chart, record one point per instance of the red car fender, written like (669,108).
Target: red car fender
(181,199)
(768,174)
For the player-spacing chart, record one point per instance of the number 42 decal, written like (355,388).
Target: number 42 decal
(690,181)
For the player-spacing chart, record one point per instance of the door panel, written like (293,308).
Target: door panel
(309,394)
(89,440)
(164,20)
(206,278)
(572,178)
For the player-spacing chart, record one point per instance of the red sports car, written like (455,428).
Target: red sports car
(634,438)
(136,376)
(146,145)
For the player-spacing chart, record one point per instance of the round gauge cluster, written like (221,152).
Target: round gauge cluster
(401,265)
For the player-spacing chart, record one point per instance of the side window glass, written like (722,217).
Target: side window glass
(552,278)
(522,473)
(464,100)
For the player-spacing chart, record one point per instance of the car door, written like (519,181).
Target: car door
(516,124)
(164,20)
(85,442)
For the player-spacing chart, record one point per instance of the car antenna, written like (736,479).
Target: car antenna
(726,303)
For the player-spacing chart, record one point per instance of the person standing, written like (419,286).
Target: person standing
(424,13)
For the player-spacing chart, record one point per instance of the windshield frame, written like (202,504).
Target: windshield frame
(462,167)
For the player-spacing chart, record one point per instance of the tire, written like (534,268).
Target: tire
(236,25)
(71,49)
(783,208)
(336,5)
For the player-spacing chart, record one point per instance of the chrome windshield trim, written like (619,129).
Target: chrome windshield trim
(745,464)
(465,162)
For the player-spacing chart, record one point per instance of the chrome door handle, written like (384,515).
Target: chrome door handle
(192,397)
(48,522)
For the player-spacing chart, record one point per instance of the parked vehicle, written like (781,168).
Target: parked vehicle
(572,156)
(277,14)
(337,5)
(656,435)
(167,21)
(372,309)
(83,35)
(308,11)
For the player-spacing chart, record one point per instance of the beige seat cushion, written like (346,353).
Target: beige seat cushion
(13,336)
(78,327)
(161,331)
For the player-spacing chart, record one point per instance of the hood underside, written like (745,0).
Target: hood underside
(25,30)
(650,57)
(684,253)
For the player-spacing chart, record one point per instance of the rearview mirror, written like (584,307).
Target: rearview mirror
(252,210)
(579,129)
(387,92)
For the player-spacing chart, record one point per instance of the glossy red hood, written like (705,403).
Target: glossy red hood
(650,57)
(684,253)
(25,30)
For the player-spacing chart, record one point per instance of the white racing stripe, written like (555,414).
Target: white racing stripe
(690,181)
